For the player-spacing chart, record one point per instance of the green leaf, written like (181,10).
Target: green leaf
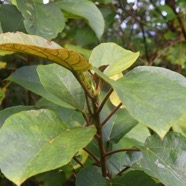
(71,116)
(35,45)
(165,159)
(28,78)
(91,176)
(12,110)
(85,52)
(2,94)
(38,141)
(87,10)
(85,36)
(170,12)
(138,135)
(154,96)
(118,125)
(2,64)
(180,126)
(117,58)
(54,177)
(4,53)
(118,161)
(11,19)
(37,14)
(61,83)
(134,178)
(1,30)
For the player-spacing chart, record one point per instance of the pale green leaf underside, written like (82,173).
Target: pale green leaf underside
(117,58)
(38,141)
(35,45)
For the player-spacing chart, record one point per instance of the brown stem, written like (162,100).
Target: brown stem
(87,92)
(123,170)
(98,125)
(111,114)
(86,118)
(76,159)
(121,150)
(104,100)
(88,104)
(92,156)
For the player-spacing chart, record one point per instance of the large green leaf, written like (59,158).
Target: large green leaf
(87,10)
(35,45)
(61,83)
(37,14)
(33,141)
(117,58)
(165,159)
(154,96)
(28,78)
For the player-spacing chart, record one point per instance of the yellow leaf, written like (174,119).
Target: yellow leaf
(35,45)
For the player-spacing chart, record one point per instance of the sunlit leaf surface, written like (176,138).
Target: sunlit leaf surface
(38,141)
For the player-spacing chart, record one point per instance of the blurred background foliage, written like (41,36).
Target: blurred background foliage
(156,28)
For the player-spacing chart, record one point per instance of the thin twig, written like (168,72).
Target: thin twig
(88,104)
(87,92)
(121,150)
(111,114)
(92,156)
(86,118)
(145,43)
(123,170)
(76,159)
(104,100)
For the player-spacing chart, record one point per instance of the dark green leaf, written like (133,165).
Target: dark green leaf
(134,178)
(28,78)
(91,176)
(118,125)
(38,141)
(44,20)
(11,19)
(51,178)
(86,9)
(118,161)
